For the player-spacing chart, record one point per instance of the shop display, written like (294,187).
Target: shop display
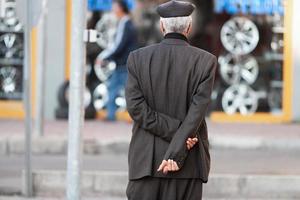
(106,28)
(11,46)
(254,7)
(100,96)
(235,69)
(239,35)
(10,82)
(104,71)
(121,101)
(63,100)
(275,96)
(239,69)
(11,53)
(250,66)
(10,22)
(241,98)
(246,36)
(63,95)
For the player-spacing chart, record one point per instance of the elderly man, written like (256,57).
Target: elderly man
(167,93)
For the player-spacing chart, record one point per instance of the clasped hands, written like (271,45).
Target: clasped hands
(171,165)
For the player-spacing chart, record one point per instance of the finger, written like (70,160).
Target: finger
(192,144)
(188,147)
(188,143)
(176,166)
(165,170)
(173,165)
(162,165)
(195,139)
(169,164)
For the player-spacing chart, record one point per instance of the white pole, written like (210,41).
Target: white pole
(27,101)
(76,110)
(41,68)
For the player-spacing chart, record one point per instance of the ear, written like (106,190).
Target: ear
(161,26)
(189,29)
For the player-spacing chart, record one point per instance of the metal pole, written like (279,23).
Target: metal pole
(27,101)
(76,110)
(41,68)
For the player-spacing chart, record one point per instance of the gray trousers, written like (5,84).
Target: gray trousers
(152,188)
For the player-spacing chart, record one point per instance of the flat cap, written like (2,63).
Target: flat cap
(175,8)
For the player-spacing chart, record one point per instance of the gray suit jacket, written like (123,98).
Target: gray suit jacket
(167,94)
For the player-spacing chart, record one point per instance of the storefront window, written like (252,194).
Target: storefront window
(11,53)
(249,46)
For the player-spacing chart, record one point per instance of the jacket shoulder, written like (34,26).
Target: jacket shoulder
(145,50)
(202,53)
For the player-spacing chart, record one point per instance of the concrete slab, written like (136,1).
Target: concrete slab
(3,145)
(219,186)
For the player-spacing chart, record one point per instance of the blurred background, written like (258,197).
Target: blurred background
(253,118)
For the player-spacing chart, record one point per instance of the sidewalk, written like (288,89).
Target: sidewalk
(248,160)
(101,137)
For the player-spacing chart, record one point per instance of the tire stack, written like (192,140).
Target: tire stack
(11,53)
(238,68)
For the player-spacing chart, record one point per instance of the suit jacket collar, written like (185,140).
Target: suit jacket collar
(175,39)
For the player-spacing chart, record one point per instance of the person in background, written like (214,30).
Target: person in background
(125,42)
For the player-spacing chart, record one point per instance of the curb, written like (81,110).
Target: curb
(94,146)
(254,143)
(58,145)
(229,186)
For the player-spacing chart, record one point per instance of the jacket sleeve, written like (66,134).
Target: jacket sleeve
(122,38)
(156,123)
(201,97)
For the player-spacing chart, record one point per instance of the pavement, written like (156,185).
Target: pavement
(110,198)
(113,137)
(230,164)
(59,198)
(105,198)
(242,154)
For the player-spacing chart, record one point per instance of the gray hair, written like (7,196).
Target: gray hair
(176,24)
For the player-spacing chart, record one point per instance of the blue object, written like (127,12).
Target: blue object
(105,5)
(256,7)
(116,83)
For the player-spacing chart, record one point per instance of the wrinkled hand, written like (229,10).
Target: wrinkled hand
(168,166)
(190,142)
(171,165)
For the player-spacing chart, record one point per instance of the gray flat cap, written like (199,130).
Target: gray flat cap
(175,8)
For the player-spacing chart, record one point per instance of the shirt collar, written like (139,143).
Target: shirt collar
(176,36)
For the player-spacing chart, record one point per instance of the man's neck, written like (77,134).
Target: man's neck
(175,35)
